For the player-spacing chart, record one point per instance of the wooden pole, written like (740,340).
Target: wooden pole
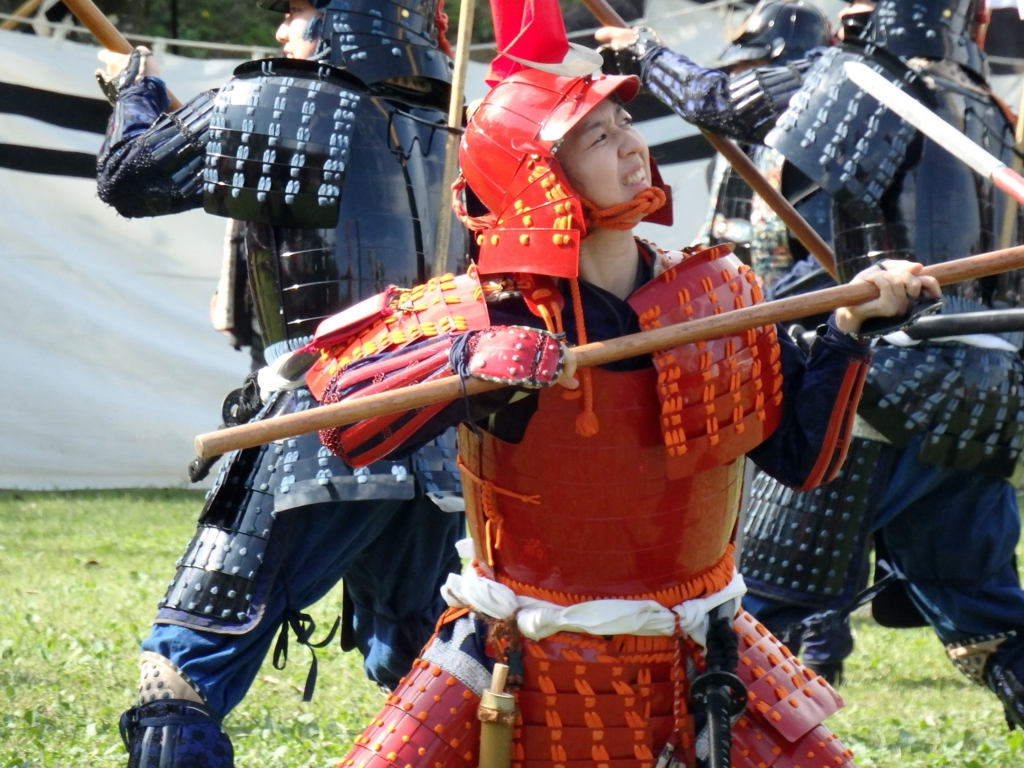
(1010,209)
(467,10)
(23,11)
(597,353)
(743,165)
(92,18)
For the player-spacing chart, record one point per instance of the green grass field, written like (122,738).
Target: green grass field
(80,574)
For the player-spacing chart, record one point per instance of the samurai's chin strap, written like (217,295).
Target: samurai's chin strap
(624,215)
(161,679)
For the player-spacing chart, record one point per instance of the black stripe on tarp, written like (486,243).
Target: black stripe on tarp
(51,161)
(682,150)
(60,109)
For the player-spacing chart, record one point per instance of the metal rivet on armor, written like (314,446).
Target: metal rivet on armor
(235,569)
(240,616)
(208,609)
(494,239)
(213,590)
(191,606)
(231,594)
(225,613)
(264,487)
(149,686)
(396,51)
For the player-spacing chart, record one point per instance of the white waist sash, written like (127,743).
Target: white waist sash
(538,619)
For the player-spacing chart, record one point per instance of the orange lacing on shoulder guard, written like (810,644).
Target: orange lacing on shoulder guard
(712,580)
(492,528)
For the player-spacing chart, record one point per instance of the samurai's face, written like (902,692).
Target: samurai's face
(605,157)
(294,34)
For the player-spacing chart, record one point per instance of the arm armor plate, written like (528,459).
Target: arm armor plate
(151,164)
(743,107)
(399,338)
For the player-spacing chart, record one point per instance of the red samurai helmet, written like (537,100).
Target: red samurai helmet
(542,86)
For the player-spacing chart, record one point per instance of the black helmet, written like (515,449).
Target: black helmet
(778,30)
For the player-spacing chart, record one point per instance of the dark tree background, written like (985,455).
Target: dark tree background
(243,23)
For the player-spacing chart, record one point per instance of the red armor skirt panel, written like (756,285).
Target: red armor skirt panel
(570,518)
(591,702)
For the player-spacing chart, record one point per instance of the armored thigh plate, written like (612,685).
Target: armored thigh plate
(968,401)
(808,547)
(223,576)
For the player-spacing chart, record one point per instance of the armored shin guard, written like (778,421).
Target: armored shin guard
(171,726)
(977,660)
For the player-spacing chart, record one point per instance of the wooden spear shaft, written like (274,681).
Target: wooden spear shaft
(467,10)
(597,353)
(92,18)
(745,167)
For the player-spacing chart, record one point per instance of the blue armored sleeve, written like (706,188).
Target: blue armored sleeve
(151,162)
(744,107)
(819,402)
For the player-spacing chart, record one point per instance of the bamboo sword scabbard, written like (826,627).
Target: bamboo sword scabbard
(597,353)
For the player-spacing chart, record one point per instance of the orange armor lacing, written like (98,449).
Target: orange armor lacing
(624,215)
(492,528)
(713,580)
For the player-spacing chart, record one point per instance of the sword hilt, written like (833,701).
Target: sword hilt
(723,697)
(718,691)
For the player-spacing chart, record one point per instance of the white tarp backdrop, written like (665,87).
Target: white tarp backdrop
(110,365)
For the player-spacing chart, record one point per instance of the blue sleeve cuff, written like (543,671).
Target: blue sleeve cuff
(152,90)
(843,343)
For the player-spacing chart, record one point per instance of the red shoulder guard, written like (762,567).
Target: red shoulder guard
(722,397)
(393,320)
(398,338)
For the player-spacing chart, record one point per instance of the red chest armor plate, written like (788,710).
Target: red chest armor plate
(646,507)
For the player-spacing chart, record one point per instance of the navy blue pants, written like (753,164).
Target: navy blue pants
(393,556)
(953,535)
